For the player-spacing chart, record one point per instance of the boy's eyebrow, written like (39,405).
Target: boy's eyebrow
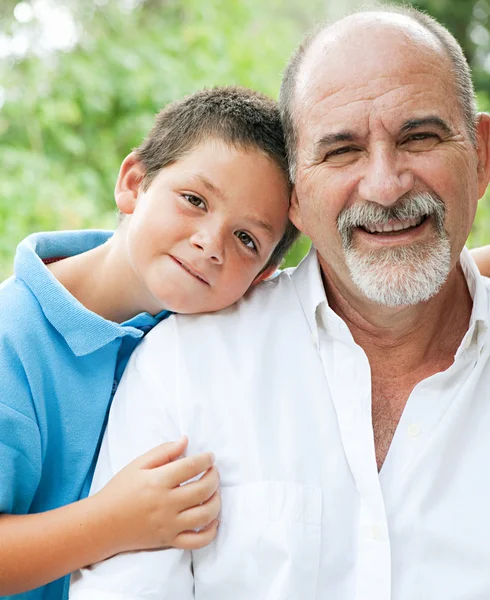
(267,227)
(209,185)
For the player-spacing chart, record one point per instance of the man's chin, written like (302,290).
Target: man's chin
(405,277)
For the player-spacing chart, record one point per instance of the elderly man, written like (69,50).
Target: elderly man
(347,402)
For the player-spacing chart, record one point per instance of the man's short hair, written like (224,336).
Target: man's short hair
(240,117)
(462,74)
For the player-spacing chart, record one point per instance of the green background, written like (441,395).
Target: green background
(69,115)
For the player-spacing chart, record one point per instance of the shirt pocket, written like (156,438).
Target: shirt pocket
(267,547)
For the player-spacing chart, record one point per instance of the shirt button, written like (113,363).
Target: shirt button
(114,386)
(314,339)
(376,532)
(413,430)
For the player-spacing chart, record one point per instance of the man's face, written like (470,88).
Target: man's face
(387,182)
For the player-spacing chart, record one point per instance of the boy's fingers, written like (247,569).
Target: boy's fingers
(162,454)
(186,468)
(194,540)
(200,516)
(197,492)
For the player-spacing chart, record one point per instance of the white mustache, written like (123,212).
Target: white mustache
(410,206)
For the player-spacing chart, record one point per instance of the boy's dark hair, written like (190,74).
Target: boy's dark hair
(238,116)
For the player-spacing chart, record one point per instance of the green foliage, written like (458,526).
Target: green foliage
(69,117)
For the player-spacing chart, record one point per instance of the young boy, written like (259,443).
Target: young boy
(204,205)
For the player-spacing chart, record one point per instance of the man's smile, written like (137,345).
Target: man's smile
(394,225)
(395,231)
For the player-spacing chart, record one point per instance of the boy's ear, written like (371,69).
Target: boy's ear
(483,152)
(128,184)
(267,273)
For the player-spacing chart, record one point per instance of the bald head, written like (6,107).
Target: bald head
(360,40)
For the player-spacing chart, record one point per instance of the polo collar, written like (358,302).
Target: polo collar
(83,330)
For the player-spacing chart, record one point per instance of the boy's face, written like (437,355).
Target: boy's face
(200,234)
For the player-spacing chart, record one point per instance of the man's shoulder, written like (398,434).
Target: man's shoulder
(266,304)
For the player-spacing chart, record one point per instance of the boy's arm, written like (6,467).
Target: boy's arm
(138,509)
(482,258)
(141,415)
(38,548)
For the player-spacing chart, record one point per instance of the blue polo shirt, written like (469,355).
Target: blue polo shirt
(59,368)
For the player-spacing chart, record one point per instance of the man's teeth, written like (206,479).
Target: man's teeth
(393,225)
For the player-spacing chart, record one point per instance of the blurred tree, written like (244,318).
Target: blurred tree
(469,22)
(81,81)
(69,117)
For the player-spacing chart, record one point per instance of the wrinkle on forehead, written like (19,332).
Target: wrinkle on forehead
(354,108)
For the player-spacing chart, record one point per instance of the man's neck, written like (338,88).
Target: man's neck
(408,338)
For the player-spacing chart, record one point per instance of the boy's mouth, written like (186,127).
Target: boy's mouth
(190,270)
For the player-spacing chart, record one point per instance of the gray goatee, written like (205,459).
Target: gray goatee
(403,275)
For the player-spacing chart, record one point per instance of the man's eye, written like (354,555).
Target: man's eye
(345,153)
(421,141)
(246,240)
(194,200)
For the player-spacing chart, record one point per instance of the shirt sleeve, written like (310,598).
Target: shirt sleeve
(20,438)
(142,416)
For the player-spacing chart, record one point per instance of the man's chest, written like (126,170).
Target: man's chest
(295,450)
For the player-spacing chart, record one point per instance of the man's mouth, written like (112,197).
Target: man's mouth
(191,271)
(394,226)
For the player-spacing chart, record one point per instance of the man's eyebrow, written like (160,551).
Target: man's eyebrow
(433,121)
(334,138)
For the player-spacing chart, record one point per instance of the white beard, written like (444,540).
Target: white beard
(401,276)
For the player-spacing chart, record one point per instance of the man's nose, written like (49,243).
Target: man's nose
(210,242)
(385,180)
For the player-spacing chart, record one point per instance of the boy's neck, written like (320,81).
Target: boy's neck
(101,279)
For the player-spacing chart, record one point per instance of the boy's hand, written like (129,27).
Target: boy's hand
(147,508)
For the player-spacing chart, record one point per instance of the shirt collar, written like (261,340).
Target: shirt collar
(83,330)
(308,282)
(311,291)
(480,314)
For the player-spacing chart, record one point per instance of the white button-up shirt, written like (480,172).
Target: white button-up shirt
(277,388)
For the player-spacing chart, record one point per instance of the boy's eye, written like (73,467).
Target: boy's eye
(246,240)
(194,200)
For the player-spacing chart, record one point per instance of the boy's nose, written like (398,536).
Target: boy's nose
(210,244)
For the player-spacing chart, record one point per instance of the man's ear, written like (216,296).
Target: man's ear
(483,152)
(267,273)
(128,184)
(294,210)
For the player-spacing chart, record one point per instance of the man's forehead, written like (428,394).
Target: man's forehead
(351,49)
